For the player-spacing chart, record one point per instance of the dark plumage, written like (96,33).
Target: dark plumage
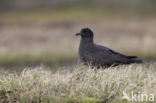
(96,55)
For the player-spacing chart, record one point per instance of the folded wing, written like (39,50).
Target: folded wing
(106,57)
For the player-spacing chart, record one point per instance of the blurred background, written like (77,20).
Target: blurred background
(34,32)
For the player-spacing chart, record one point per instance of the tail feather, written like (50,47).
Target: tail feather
(136,60)
(129,57)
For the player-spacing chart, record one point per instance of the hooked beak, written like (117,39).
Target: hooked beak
(77,34)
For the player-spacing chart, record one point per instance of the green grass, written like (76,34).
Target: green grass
(68,14)
(50,15)
(79,84)
(46,58)
(56,58)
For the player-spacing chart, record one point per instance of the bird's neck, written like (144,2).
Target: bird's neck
(87,40)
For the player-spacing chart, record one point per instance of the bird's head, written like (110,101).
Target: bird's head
(85,33)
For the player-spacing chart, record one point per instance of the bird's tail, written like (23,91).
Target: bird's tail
(135,59)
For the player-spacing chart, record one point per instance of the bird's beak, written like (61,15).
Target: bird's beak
(77,34)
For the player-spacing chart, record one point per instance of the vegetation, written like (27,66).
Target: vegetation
(49,58)
(32,36)
(67,14)
(78,84)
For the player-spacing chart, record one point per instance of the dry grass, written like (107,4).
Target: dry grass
(79,84)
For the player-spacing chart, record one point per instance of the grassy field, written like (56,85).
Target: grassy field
(78,84)
(69,14)
(42,32)
(46,39)
(49,36)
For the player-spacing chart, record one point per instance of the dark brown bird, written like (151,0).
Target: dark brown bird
(97,55)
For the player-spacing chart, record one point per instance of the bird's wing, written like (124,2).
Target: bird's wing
(116,53)
(104,55)
(102,48)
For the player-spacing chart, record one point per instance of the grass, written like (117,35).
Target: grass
(46,58)
(56,58)
(68,14)
(78,84)
(51,15)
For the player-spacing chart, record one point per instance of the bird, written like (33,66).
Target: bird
(98,55)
